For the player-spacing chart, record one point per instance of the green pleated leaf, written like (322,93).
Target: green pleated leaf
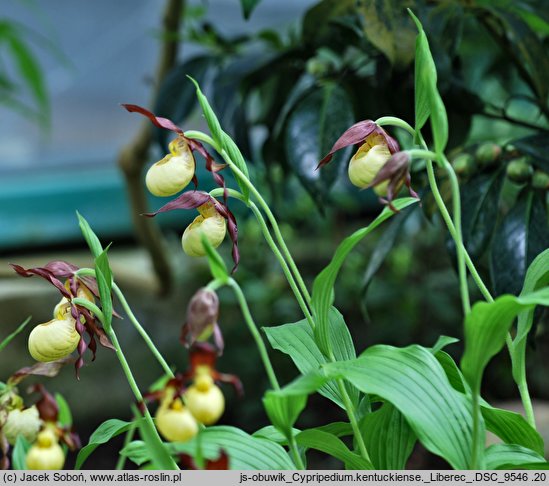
(521,235)
(512,428)
(105,432)
(19,453)
(537,276)
(270,432)
(388,438)
(245,451)
(284,410)
(19,329)
(415,383)
(486,327)
(505,455)
(339,429)
(323,286)
(297,341)
(330,444)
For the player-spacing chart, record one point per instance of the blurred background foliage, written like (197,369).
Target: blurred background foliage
(285,92)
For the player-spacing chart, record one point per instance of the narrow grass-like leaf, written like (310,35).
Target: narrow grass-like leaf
(160,457)
(416,384)
(504,455)
(323,286)
(19,329)
(388,438)
(90,237)
(103,275)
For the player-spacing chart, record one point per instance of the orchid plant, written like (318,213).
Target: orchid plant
(392,397)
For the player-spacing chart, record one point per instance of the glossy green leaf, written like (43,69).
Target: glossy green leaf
(520,237)
(388,438)
(505,454)
(415,383)
(330,444)
(65,415)
(479,206)
(90,237)
(313,126)
(19,329)
(284,410)
(512,428)
(453,373)
(537,147)
(105,432)
(302,88)
(218,268)
(442,342)
(248,6)
(388,27)
(323,286)
(19,453)
(339,429)
(297,341)
(486,327)
(316,21)
(245,451)
(537,276)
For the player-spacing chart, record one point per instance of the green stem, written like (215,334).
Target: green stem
(137,394)
(255,332)
(352,417)
(476,429)
(526,400)
(264,357)
(462,270)
(270,216)
(142,332)
(127,439)
(270,241)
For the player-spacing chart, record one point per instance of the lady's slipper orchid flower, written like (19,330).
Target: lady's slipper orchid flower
(378,162)
(56,339)
(46,453)
(209,224)
(25,422)
(174,420)
(213,227)
(174,172)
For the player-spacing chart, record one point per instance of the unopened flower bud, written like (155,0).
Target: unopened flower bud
(519,171)
(202,314)
(464,165)
(210,224)
(487,154)
(53,340)
(25,422)
(205,399)
(175,422)
(540,180)
(46,453)
(174,172)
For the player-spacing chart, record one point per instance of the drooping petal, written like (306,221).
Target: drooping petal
(353,135)
(47,406)
(49,369)
(187,200)
(45,274)
(158,121)
(232,228)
